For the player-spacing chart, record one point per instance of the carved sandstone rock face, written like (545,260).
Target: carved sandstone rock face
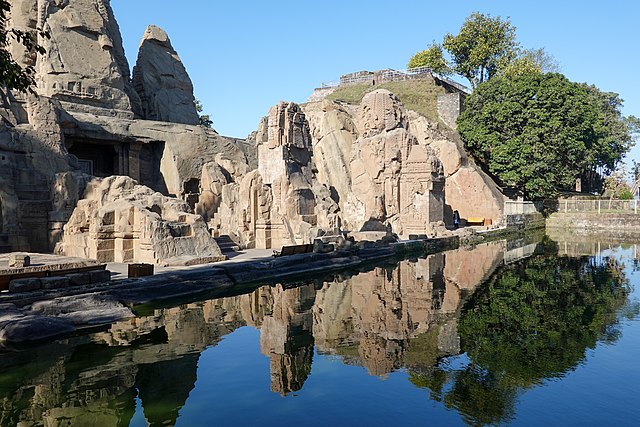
(469,190)
(162,81)
(119,220)
(279,203)
(85,66)
(380,111)
(371,171)
(383,174)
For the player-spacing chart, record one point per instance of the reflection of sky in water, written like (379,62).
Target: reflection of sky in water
(319,374)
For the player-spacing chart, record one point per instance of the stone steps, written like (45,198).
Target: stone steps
(226,244)
(31,194)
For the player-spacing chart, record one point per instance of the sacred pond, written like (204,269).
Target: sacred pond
(511,332)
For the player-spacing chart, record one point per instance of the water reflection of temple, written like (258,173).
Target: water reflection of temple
(383,319)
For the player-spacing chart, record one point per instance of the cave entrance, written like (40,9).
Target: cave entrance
(98,158)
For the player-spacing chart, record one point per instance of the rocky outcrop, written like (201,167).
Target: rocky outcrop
(375,166)
(157,154)
(118,220)
(389,164)
(30,157)
(279,203)
(307,172)
(469,190)
(162,82)
(84,66)
(82,121)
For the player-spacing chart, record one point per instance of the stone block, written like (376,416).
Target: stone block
(24,285)
(140,270)
(79,279)
(100,276)
(105,244)
(54,282)
(104,255)
(19,260)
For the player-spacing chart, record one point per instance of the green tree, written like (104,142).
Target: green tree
(530,61)
(542,59)
(12,74)
(433,58)
(615,186)
(483,46)
(204,119)
(539,132)
(635,171)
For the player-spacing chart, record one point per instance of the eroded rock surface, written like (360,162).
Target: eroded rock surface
(85,67)
(306,172)
(375,166)
(279,203)
(162,82)
(390,164)
(119,220)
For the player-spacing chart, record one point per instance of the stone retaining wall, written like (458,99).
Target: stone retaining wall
(594,221)
(525,221)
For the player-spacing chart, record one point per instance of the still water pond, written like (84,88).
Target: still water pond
(519,333)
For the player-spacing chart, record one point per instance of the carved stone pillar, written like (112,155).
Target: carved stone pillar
(134,160)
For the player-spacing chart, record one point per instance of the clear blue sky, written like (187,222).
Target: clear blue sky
(245,56)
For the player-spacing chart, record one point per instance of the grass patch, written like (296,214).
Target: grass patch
(419,95)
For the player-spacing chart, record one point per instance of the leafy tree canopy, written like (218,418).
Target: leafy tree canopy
(203,119)
(483,46)
(530,61)
(433,58)
(12,74)
(539,132)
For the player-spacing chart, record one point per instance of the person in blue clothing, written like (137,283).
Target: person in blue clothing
(456,219)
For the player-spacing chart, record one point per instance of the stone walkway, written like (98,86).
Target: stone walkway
(41,260)
(120,270)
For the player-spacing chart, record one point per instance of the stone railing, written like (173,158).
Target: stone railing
(389,75)
(598,206)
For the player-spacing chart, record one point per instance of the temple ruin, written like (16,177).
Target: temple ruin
(311,170)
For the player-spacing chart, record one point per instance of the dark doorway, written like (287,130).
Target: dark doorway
(100,158)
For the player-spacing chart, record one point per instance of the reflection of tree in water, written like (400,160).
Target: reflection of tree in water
(533,320)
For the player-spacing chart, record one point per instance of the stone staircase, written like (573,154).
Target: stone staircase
(226,244)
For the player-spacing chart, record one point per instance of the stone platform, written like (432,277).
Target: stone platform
(44,265)
(49,313)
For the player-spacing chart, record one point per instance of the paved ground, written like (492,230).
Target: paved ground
(41,260)
(120,270)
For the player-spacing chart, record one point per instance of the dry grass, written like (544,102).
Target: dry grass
(417,95)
